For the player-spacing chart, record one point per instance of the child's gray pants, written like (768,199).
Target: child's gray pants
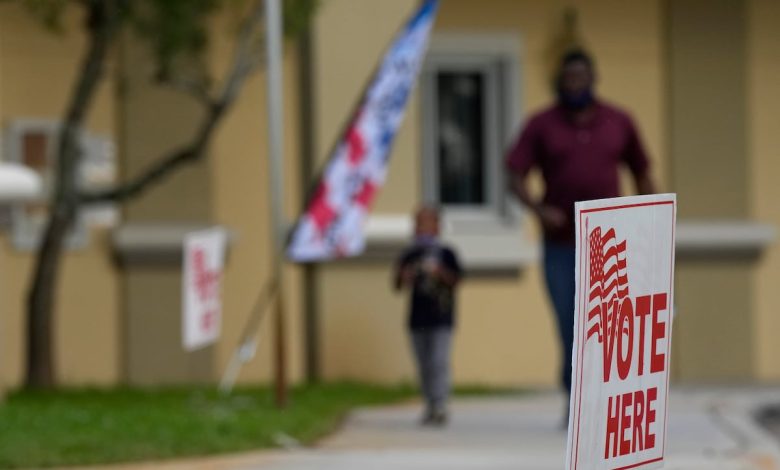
(432,351)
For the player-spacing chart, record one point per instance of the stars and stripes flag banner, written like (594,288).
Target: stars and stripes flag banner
(622,333)
(332,225)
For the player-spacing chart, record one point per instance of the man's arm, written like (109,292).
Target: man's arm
(638,162)
(523,156)
(644,183)
(550,217)
(517,183)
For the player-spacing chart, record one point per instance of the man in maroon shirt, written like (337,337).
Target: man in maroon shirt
(578,144)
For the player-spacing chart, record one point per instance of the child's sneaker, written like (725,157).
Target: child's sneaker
(428,418)
(439,418)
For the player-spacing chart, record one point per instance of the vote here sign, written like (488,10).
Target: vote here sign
(622,333)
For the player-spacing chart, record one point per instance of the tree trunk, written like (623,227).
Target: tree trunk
(40,348)
(103,21)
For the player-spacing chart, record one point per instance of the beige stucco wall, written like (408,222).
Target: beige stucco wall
(506,334)
(764,114)
(240,182)
(230,188)
(709,151)
(153,121)
(38,68)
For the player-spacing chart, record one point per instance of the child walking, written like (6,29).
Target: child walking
(431,272)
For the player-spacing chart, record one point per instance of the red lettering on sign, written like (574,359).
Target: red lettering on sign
(209,319)
(206,280)
(625,423)
(613,423)
(626,330)
(642,311)
(637,442)
(630,413)
(610,336)
(619,334)
(658,360)
(652,395)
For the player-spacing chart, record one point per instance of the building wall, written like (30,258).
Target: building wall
(229,188)
(155,120)
(708,145)
(38,68)
(506,333)
(240,181)
(764,167)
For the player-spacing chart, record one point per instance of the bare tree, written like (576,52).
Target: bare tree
(177,32)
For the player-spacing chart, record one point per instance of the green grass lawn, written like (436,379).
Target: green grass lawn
(82,427)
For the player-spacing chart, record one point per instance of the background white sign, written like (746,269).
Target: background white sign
(204,259)
(622,333)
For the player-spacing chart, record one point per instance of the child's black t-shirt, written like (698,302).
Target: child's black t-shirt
(432,302)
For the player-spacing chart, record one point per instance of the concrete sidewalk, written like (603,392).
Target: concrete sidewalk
(708,430)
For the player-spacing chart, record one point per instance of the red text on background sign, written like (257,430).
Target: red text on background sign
(207,286)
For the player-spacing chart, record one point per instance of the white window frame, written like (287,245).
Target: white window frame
(26,232)
(498,57)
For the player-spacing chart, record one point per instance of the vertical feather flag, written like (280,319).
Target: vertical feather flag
(332,225)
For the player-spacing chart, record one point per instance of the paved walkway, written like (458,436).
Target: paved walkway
(708,430)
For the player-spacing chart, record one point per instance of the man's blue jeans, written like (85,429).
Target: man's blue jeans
(559,269)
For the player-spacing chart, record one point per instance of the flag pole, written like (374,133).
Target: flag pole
(245,350)
(273,19)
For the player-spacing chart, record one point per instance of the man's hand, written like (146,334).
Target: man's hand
(645,183)
(551,218)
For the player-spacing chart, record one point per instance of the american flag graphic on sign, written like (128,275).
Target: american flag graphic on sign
(332,225)
(608,281)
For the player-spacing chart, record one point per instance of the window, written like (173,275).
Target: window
(32,142)
(460,139)
(469,110)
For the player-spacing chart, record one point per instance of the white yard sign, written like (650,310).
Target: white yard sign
(622,333)
(204,258)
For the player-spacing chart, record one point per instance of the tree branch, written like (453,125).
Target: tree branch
(242,67)
(196,88)
(256,61)
(242,56)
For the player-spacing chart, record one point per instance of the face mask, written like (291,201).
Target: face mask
(425,240)
(577,101)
